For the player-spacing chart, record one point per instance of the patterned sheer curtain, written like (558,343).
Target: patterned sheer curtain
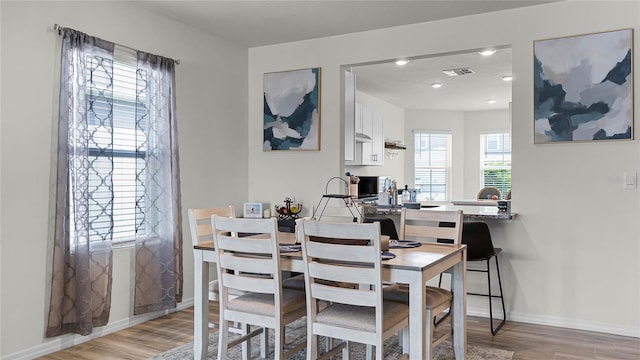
(117,178)
(159,254)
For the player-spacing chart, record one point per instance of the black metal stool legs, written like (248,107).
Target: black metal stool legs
(504,312)
(491,296)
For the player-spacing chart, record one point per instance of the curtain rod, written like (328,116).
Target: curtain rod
(59,29)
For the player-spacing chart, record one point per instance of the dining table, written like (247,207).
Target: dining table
(411,266)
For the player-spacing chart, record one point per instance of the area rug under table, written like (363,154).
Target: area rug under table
(295,334)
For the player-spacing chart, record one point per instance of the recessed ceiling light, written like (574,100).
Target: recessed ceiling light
(402,62)
(436,85)
(507,78)
(491,101)
(487,52)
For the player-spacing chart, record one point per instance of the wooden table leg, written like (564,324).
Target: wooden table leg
(201,305)
(459,314)
(417,316)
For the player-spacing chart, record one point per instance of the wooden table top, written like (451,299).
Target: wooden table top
(407,258)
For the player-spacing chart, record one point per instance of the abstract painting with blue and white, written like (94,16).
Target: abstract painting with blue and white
(291,111)
(583,87)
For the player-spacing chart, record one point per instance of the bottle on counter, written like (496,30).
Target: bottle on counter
(394,193)
(406,195)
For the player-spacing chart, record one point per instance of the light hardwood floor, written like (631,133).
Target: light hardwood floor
(527,341)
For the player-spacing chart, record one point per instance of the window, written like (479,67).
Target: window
(117,180)
(495,162)
(432,164)
(116,151)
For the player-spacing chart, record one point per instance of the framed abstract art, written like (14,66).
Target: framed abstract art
(292,110)
(583,87)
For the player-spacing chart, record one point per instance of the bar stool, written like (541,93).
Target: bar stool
(387,226)
(477,237)
(488,192)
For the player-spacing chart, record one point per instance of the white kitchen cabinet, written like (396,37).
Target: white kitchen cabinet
(358,118)
(373,152)
(350,111)
(369,146)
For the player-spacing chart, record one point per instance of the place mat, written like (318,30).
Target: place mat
(387,255)
(403,244)
(288,248)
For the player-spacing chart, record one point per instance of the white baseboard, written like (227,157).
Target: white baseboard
(632,331)
(62,342)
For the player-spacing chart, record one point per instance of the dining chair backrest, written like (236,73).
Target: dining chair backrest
(425,225)
(342,215)
(200,222)
(329,263)
(239,259)
(488,192)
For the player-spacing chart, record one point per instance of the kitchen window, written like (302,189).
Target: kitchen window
(432,164)
(495,162)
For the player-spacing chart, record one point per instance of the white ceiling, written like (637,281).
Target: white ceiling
(409,86)
(265,22)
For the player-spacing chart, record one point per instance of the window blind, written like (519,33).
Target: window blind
(432,164)
(495,161)
(116,152)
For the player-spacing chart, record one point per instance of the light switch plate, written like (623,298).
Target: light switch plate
(630,180)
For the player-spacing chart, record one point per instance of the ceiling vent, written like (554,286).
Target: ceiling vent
(458,72)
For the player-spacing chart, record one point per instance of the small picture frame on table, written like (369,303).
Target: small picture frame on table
(252,210)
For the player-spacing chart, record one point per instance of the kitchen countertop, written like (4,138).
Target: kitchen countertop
(471,212)
(475,202)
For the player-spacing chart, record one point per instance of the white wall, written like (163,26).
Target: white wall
(393,128)
(575,243)
(212,110)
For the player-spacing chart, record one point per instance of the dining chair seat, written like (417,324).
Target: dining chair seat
(363,318)
(438,300)
(294,282)
(214,291)
(436,297)
(263,304)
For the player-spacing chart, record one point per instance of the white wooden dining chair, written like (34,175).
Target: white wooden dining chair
(332,215)
(252,264)
(423,225)
(202,232)
(356,314)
